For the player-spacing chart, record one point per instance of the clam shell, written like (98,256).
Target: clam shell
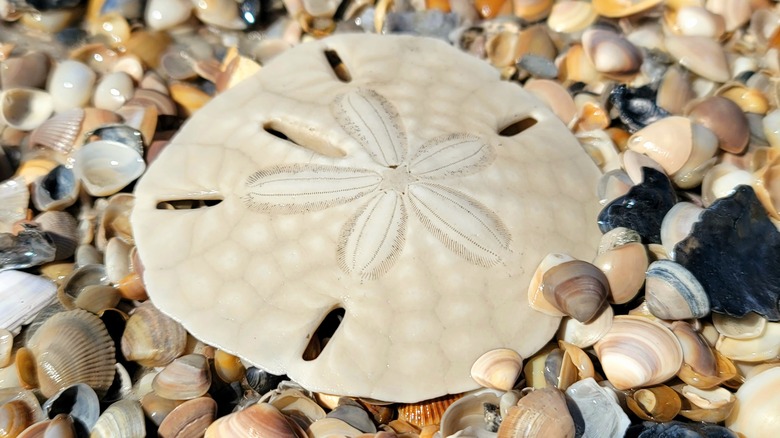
(352,413)
(57,190)
(190,418)
(750,326)
(725,119)
(587,334)
(667,141)
(624,268)
(23,295)
(70,85)
(123,418)
(575,365)
(758,349)
(73,347)
(6,347)
(186,378)
(543,412)
(678,223)
(758,404)
(113,90)
(702,366)
(576,288)
(722,180)
(610,53)
(77,402)
(228,367)
(554,96)
(115,220)
(672,292)
(658,403)
(117,260)
(701,55)
(261,419)
(617,237)
(79,282)
(62,227)
(329,427)
(25,108)
(497,369)
(152,338)
(468,412)
(105,167)
(601,413)
(675,90)
(28,70)
(294,403)
(428,412)
(622,8)
(571,16)
(638,352)
(15,416)
(14,200)
(157,408)
(536,297)
(711,405)
(697,21)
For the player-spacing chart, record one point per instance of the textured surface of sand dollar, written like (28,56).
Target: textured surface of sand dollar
(394,198)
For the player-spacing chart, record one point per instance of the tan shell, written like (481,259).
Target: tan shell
(261,419)
(585,335)
(468,411)
(15,416)
(758,402)
(151,338)
(678,223)
(536,298)
(725,119)
(658,403)
(557,98)
(624,268)
(623,8)
(675,90)
(428,412)
(185,378)
(190,418)
(702,366)
(295,404)
(576,288)
(571,16)
(667,141)
(575,366)
(758,349)
(711,405)
(543,412)
(157,408)
(701,55)
(610,53)
(673,293)
(638,352)
(497,369)
(229,368)
(124,418)
(73,347)
(752,325)
(330,427)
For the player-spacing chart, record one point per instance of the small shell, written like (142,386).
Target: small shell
(157,408)
(622,8)
(57,190)
(469,411)
(702,366)
(185,378)
(638,352)
(60,133)
(601,413)
(667,141)
(353,413)
(113,90)
(536,298)
(428,412)
(81,285)
(29,70)
(758,404)
(678,223)
(63,230)
(675,90)
(585,335)
(761,348)
(260,419)
(750,326)
(25,108)
(166,14)
(152,338)
(725,119)
(701,55)
(14,201)
(576,288)
(658,403)
(711,405)
(735,12)
(78,402)
(610,53)
(543,412)
(117,260)
(697,21)
(554,96)
(70,85)
(6,347)
(115,221)
(23,295)
(73,347)
(220,13)
(329,427)
(672,292)
(15,416)
(497,369)
(532,10)
(228,367)
(295,404)
(191,418)
(624,268)
(571,16)
(722,180)
(105,167)
(749,100)
(123,418)
(617,237)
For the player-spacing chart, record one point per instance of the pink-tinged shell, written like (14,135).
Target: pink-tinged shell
(259,419)
(542,413)
(189,419)
(60,132)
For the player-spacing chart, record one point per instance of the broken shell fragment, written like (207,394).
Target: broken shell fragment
(584,335)
(752,325)
(23,295)
(428,412)
(673,293)
(497,369)
(758,349)
(601,413)
(638,352)
(710,405)
(619,8)
(576,288)
(543,412)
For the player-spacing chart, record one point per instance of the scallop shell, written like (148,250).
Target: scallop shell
(105,167)
(758,404)
(469,411)
(73,347)
(576,288)
(23,295)
(672,292)
(638,352)
(497,369)
(152,338)
(122,419)
(60,133)
(261,419)
(543,412)
(186,378)
(428,412)
(601,413)
(190,418)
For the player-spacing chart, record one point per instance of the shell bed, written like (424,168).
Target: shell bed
(390,184)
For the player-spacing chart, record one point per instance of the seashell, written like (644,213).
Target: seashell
(771,124)
(617,237)
(27,71)
(111,27)
(670,143)
(328,427)
(725,119)
(220,13)
(23,295)
(117,260)
(15,417)
(610,53)
(25,108)
(428,412)
(587,334)
(497,369)
(353,414)
(612,185)
(571,16)
(157,408)
(672,292)
(262,381)
(6,347)
(698,21)
(115,220)
(113,90)
(29,246)
(70,85)
(624,268)
(189,97)
(657,403)
(186,378)
(532,10)
(601,414)
(151,338)
(576,288)
(77,402)
(105,167)
(675,90)
(73,347)
(162,103)
(34,168)
(638,352)
(57,190)
(62,228)
(468,413)
(761,348)
(80,284)
(131,287)
(166,14)
(296,405)
(190,418)
(702,366)
(554,96)
(749,100)
(735,12)
(723,180)
(228,367)
(710,405)
(123,418)
(536,296)
(261,419)
(591,114)
(14,200)
(756,411)
(542,412)
(701,55)
(141,118)
(575,365)
(750,326)
(678,223)
(622,8)
(575,66)
(601,149)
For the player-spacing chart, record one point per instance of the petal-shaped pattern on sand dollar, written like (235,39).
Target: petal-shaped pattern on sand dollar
(299,188)
(464,225)
(451,155)
(373,121)
(373,238)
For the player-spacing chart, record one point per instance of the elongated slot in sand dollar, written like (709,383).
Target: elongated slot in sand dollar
(323,334)
(338,66)
(188,203)
(517,127)
(302,137)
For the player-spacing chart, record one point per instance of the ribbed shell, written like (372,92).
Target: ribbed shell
(426,412)
(261,419)
(124,418)
(59,132)
(73,347)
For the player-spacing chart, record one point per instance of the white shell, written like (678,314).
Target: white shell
(497,369)
(23,295)
(70,85)
(672,292)
(701,55)
(113,90)
(600,410)
(165,14)
(14,200)
(105,167)
(752,325)
(757,413)
(758,349)
(467,415)
(585,335)
(25,108)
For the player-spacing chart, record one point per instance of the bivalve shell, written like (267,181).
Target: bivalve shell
(469,411)
(152,338)
(624,268)
(497,369)
(122,419)
(587,334)
(62,227)
(543,412)
(758,349)
(710,405)
(78,403)
(23,295)
(601,413)
(638,352)
(105,167)
(15,417)
(185,378)
(576,288)
(610,53)
(672,292)
(14,201)
(57,190)
(70,85)
(191,418)
(25,108)
(571,16)
(678,223)
(261,419)
(701,55)
(726,119)
(757,413)
(428,412)
(658,403)
(623,8)
(750,326)
(330,427)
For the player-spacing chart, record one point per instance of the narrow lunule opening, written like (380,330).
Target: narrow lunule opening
(517,127)
(304,137)
(188,204)
(338,66)
(324,332)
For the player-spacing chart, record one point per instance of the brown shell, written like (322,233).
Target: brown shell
(541,413)
(190,418)
(15,416)
(152,338)
(260,419)
(576,288)
(426,412)
(185,378)
(658,403)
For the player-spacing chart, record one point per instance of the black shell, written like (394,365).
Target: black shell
(636,106)
(734,251)
(678,429)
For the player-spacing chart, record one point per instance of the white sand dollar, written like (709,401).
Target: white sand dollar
(393,179)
